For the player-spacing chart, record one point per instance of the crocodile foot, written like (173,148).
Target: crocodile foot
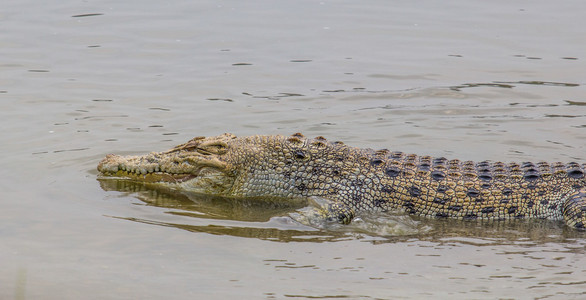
(323,212)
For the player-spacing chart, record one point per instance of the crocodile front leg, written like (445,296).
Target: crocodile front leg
(575,209)
(338,212)
(324,211)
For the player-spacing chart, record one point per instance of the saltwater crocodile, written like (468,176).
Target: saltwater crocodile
(352,179)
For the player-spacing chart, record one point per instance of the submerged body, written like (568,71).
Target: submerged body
(353,179)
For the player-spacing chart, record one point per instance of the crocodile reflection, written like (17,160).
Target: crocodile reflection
(273,222)
(246,217)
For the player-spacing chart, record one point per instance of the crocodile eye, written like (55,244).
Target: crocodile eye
(213,148)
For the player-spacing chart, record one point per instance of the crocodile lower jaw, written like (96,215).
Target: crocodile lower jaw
(154,177)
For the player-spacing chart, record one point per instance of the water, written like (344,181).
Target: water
(465,79)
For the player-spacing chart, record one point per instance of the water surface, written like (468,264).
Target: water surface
(472,80)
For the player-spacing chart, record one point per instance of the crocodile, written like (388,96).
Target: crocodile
(346,180)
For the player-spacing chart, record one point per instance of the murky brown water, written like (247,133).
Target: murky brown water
(465,79)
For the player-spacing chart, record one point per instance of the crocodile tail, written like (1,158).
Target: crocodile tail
(574,210)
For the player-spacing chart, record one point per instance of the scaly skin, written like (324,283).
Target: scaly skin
(352,179)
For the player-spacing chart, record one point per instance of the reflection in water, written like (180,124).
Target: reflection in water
(251,218)
(199,205)
(444,91)
(576,103)
(271,234)
(529,231)
(274,221)
(511,84)
(473,85)
(537,82)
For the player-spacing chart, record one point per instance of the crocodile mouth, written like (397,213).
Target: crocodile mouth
(154,177)
(188,171)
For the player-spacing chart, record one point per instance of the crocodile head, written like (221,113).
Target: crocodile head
(200,165)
